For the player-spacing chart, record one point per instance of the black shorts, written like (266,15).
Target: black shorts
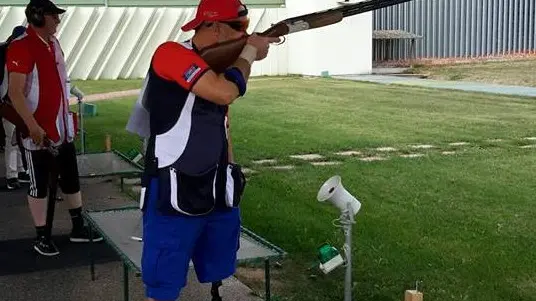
(40,163)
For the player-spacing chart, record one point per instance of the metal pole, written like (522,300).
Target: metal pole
(125,282)
(51,205)
(91,258)
(52,191)
(267,278)
(348,221)
(82,133)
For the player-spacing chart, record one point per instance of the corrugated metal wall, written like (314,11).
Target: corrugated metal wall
(459,28)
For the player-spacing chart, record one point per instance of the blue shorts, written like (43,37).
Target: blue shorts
(170,242)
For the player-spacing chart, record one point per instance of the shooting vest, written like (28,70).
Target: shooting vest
(187,152)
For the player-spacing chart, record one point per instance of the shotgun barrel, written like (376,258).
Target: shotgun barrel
(369,5)
(222,55)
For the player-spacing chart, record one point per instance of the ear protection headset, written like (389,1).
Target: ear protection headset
(35,16)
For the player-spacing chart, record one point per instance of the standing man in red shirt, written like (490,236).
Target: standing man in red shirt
(39,92)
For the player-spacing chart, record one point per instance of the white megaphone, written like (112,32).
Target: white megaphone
(77,92)
(333,192)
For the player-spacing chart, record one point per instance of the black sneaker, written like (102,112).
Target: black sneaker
(82,235)
(24,177)
(12,184)
(45,247)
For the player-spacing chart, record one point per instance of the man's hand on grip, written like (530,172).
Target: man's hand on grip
(262,44)
(37,134)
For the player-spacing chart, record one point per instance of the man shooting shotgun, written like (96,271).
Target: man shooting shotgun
(191,186)
(222,55)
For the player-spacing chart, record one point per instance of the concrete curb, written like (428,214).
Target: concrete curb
(508,90)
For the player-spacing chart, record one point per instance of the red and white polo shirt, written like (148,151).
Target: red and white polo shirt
(47,89)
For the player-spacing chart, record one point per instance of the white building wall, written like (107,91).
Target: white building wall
(113,42)
(342,48)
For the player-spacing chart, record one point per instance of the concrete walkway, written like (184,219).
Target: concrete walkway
(375,78)
(443,84)
(106,96)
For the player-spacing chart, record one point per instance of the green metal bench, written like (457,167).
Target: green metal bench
(103,164)
(117,226)
(120,226)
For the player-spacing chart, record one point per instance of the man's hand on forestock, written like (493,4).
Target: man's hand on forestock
(262,44)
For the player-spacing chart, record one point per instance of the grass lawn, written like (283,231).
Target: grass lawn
(515,72)
(461,223)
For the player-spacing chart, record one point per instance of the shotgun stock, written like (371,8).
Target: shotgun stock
(222,55)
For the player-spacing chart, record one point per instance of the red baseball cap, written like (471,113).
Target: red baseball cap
(214,11)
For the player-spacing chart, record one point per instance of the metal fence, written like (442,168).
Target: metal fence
(458,28)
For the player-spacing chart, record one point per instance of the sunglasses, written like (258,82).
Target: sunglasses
(238,25)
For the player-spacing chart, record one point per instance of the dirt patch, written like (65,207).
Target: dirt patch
(307,156)
(373,158)
(412,155)
(325,163)
(386,149)
(525,286)
(248,171)
(254,278)
(282,167)
(422,146)
(348,153)
(265,161)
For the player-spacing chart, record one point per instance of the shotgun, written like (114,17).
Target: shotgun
(222,55)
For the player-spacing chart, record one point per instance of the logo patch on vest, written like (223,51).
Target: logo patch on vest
(191,72)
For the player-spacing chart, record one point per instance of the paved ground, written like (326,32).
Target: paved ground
(25,276)
(455,85)
(105,96)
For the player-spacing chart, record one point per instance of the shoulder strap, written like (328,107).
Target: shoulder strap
(3,70)
(3,73)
